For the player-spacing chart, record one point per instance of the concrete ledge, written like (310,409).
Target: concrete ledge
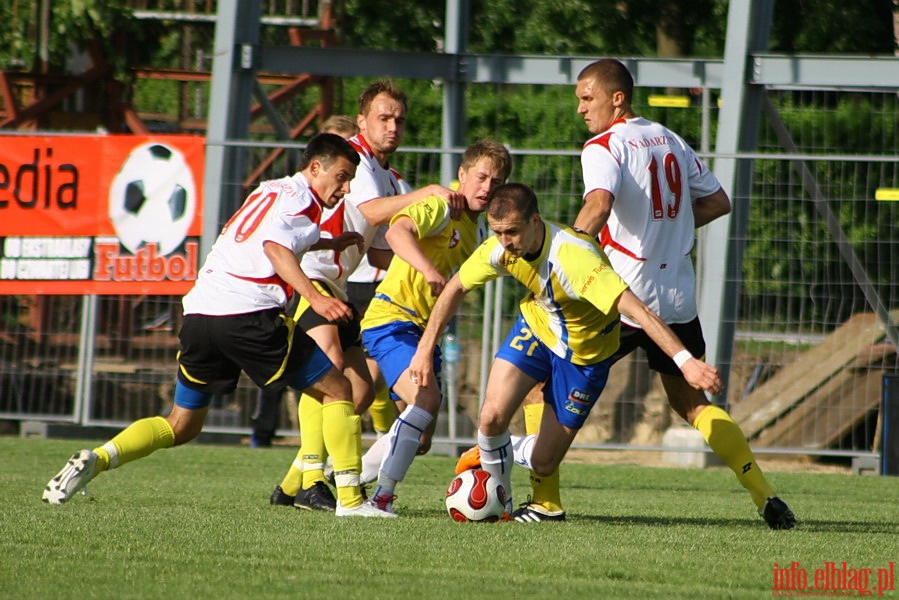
(866,465)
(683,440)
(33,429)
(41,429)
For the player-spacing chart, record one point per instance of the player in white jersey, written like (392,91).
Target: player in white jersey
(649,242)
(565,336)
(376,196)
(234,321)
(360,288)
(362,282)
(645,192)
(266,414)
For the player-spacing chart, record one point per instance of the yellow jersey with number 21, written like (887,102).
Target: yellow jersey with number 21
(573,292)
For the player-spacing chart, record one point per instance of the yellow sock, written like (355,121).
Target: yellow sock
(382,411)
(312,442)
(544,490)
(726,438)
(291,483)
(533,416)
(343,438)
(138,440)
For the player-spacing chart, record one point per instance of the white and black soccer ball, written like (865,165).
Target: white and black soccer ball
(475,496)
(152,198)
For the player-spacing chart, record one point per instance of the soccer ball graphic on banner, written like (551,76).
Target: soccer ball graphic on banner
(152,198)
(475,496)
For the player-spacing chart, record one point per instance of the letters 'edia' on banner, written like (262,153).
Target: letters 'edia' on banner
(100,214)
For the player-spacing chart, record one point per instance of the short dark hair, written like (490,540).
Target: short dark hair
(611,75)
(488,148)
(511,198)
(326,148)
(381,86)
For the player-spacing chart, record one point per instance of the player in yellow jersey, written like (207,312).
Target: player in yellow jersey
(566,333)
(376,196)
(645,218)
(428,247)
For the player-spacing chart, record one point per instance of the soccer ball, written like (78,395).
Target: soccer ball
(475,496)
(152,198)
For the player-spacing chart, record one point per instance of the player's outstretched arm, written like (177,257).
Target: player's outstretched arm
(379,211)
(403,238)
(698,373)
(420,367)
(288,268)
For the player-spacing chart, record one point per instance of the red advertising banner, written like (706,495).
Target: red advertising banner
(100,214)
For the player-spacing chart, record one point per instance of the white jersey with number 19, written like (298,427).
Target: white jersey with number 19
(654,177)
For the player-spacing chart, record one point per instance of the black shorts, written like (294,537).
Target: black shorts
(360,294)
(348,332)
(266,345)
(690,335)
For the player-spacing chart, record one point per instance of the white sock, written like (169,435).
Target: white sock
(113,453)
(313,466)
(496,459)
(371,460)
(402,445)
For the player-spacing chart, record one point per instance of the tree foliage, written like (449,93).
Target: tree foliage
(833,26)
(391,25)
(74,25)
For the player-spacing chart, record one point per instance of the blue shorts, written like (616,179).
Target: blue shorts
(392,346)
(570,389)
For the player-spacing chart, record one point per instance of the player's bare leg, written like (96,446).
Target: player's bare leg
(545,490)
(542,453)
(506,388)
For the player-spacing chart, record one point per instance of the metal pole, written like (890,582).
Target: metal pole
(455,42)
(85,368)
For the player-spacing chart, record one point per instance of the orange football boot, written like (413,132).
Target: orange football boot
(470,459)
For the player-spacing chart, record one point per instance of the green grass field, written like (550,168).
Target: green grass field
(194,522)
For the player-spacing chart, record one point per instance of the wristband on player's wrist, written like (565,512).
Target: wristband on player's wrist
(681,357)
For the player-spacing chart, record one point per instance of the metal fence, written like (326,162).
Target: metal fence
(810,351)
